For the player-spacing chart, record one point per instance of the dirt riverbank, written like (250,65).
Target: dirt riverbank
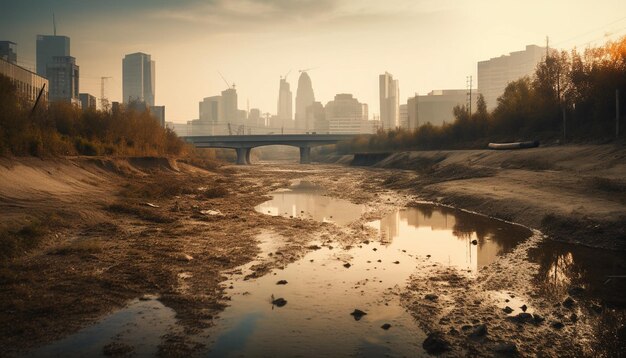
(112,230)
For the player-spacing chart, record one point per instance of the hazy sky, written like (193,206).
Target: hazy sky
(426,44)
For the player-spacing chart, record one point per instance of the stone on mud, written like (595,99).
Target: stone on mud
(279,302)
(431,297)
(281,282)
(435,343)
(507,309)
(479,331)
(568,302)
(358,314)
(506,348)
(385,326)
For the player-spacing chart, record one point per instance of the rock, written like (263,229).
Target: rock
(568,302)
(313,247)
(506,300)
(431,297)
(379,261)
(507,309)
(474,242)
(575,290)
(522,317)
(573,317)
(427,255)
(385,326)
(347,265)
(524,308)
(281,282)
(366,242)
(375,249)
(185,257)
(435,343)
(358,314)
(505,348)
(479,331)
(557,324)
(596,308)
(396,262)
(279,302)
(538,319)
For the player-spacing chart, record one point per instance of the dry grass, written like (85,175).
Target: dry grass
(145,213)
(14,241)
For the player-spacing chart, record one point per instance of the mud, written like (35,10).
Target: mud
(201,226)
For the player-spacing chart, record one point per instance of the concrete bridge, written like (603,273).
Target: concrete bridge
(243,144)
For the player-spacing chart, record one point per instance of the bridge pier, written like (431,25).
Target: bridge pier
(305,155)
(243,156)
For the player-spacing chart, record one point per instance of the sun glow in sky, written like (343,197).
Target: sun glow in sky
(425,44)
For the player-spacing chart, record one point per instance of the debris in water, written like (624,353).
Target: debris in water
(358,314)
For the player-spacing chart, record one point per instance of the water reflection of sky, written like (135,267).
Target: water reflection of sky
(447,234)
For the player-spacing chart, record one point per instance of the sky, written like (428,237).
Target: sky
(426,44)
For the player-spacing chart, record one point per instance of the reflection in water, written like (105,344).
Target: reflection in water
(447,235)
(321,292)
(562,266)
(307,201)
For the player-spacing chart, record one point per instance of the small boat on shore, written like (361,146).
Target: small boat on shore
(515,145)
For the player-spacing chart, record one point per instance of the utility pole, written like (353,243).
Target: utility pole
(616,113)
(469,95)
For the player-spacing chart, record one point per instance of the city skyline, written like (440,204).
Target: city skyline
(350,44)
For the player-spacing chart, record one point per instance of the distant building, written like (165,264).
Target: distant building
(8,51)
(285,103)
(159,113)
(49,47)
(411,111)
(346,115)
(62,73)
(229,107)
(138,78)
(315,114)
(304,98)
(255,120)
(87,101)
(495,74)
(28,83)
(211,110)
(436,107)
(181,129)
(404,116)
(389,93)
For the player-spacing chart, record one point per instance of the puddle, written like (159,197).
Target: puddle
(305,200)
(451,237)
(136,330)
(598,274)
(322,290)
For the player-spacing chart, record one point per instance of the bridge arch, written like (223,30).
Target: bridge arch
(243,144)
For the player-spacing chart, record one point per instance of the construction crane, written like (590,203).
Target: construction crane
(307,69)
(285,77)
(227,84)
(104,102)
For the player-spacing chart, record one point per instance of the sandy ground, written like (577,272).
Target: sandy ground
(118,229)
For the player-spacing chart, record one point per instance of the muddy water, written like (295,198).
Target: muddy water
(325,286)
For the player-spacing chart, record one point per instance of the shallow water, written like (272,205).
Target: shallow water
(321,292)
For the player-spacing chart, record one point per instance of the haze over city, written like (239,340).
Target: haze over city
(426,45)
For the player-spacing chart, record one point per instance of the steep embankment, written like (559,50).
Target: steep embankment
(573,193)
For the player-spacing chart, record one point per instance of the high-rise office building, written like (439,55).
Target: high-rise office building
(8,51)
(87,101)
(48,47)
(304,98)
(285,103)
(229,105)
(62,73)
(389,101)
(211,110)
(495,74)
(138,76)
(27,83)
(437,106)
(346,115)
(404,116)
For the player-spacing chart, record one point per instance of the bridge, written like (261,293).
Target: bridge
(243,144)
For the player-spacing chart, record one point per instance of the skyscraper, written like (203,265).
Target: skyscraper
(62,73)
(304,98)
(285,103)
(8,51)
(496,73)
(48,47)
(229,105)
(389,101)
(138,78)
